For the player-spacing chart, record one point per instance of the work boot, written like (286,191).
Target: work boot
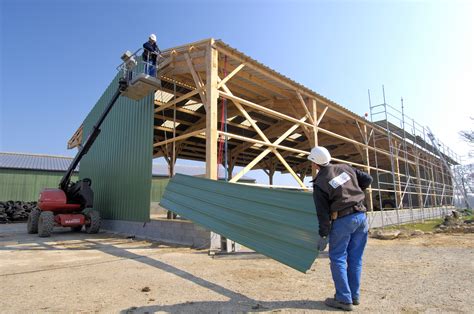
(338,305)
(355,301)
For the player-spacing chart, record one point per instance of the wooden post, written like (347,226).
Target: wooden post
(368,192)
(211,125)
(211,111)
(418,184)
(314,106)
(230,167)
(398,184)
(435,188)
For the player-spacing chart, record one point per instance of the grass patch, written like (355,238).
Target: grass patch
(427,226)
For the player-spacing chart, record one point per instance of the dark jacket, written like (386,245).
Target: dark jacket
(335,188)
(150,51)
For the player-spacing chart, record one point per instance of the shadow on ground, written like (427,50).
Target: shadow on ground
(72,241)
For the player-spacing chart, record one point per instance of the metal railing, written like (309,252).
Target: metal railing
(134,64)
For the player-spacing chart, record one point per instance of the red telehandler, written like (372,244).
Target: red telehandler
(71,205)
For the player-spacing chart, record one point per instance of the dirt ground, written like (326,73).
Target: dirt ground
(107,273)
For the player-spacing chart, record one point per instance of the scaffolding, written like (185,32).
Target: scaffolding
(420,184)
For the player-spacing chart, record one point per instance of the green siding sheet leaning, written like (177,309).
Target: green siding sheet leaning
(282,225)
(120,161)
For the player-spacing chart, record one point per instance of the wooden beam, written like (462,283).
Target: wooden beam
(261,108)
(245,113)
(303,104)
(287,166)
(265,152)
(179,138)
(177,100)
(197,79)
(230,75)
(321,116)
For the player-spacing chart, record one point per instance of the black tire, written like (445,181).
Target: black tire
(76,229)
(32,224)
(45,224)
(93,224)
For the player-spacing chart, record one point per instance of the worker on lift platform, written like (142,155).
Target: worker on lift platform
(338,197)
(150,55)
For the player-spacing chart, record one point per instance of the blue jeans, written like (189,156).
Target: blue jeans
(150,68)
(347,241)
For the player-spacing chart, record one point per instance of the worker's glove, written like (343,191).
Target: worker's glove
(323,243)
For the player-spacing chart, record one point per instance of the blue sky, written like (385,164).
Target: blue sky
(57,57)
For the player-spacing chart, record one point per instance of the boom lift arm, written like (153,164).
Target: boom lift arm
(80,191)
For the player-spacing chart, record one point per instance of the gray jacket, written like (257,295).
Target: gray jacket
(337,187)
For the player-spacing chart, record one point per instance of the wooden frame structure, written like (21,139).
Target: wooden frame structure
(272,123)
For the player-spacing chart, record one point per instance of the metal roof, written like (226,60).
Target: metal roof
(61,163)
(34,162)
(280,224)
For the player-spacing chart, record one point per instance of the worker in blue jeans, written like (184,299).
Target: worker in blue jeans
(338,196)
(150,55)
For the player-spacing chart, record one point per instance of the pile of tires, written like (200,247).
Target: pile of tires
(11,211)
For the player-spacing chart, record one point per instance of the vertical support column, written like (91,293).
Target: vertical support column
(434,196)
(398,184)
(315,132)
(211,111)
(368,192)
(442,173)
(271,173)
(211,128)
(419,189)
(230,168)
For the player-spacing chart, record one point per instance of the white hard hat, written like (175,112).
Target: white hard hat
(320,156)
(152,37)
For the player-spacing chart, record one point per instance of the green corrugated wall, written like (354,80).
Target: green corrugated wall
(158,186)
(120,161)
(25,185)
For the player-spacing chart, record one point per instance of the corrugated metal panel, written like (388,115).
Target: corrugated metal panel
(25,185)
(34,161)
(280,224)
(158,187)
(119,163)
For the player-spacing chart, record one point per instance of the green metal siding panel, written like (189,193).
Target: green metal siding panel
(25,185)
(280,224)
(158,188)
(120,161)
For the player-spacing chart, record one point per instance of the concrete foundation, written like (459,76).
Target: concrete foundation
(391,217)
(169,231)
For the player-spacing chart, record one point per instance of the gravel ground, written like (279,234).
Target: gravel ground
(72,272)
